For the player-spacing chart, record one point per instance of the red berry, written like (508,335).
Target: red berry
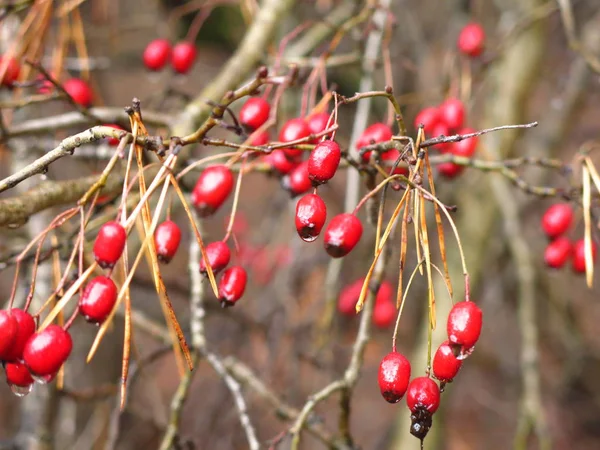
(558,252)
(438,130)
(166,239)
(44,85)
(293,130)
(280,163)
(297,181)
(452,113)
(384,314)
(464,324)
(98,299)
(378,132)
(255,112)
(259,139)
(445,364)
(427,117)
(79,91)
(342,234)
(13,69)
(157,54)
(218,255)
(423,393)
(349,297)
(557,219)
(323,162)
(317,123)
(311,213)
(464,148)
(18,375)
(212,189)
(384,294)
(471,40)
(391,156)
(114,141)
(47,350)
(579,255)
(184,56)
(232,285)
(393,376)
(109,244)
(25,328)
(9,328)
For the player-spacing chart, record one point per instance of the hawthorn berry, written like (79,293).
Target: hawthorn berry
(232,285)
(109,244)
(464,324)
(212,189)
(391,156)
(311,213)
(293,130)
(323,162)
(254,113)
(280,163)
(342,234)
(348,297)
(166,238)
(47,350)
(471,40)
(157,54)
(452,113)
(183,57)
(427,117)
(384,294)
(44,85)
(13,69)
(384,314)
(25,328)
(558,252)
(98,299)
(465,148)
(393,376)
(579,255)
(423,393)
(259,139)
(9,328)
(218,255)
(297,181)
(112,141)
(18,375)
(557,219)
(79,91)
(445,364)
(378,132)
(438,130)
(317,123)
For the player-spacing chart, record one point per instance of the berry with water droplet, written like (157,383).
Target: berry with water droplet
(9,328)
(378,132)
(471,40)
(342,234)
(254,113)
(18,375)
(323,162)
(557,219)
(213,187)
(167,238)
(47,350)
(109,244)
(218,255)
(393,376)
(558,252)
(232,285)
(464,324)
(579,255)
(445,364)
(297,181)
(157,54)
(183,57)
(13,69)
(79,91)
(293,130)
(25,328)
(311,213)
(98,299)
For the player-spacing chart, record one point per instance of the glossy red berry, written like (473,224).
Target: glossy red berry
(557,219)
(109,244)
(348,298)
(445,364)
(579,255)
(280,163)
(255,112)
(218,255)
(311,213)
(427,117)
(47,350)
(259,139)
(183,57)
(293,130)
(464,148)
(17,374)
(213,187)
(113,141)
(157,54)
(13,69)
(232,285)
(323,162)
(558,252)
(384,314)
(423,393)
(98,299)
(317,123)
(25,328)
(378,132)
(452,113)
(471,40)
(167,238)
(393,376)
(79,91)
(464,324)
(297,181)
(9,327)
(342,234)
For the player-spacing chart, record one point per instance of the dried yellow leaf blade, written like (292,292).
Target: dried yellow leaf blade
(427,254)
(593,173)
(416,224)
(587,221)
(403,248)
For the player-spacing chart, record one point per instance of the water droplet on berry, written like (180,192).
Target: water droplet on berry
(20,391)
(309,238)
(464,354)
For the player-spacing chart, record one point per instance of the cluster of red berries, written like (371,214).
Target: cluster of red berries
(159,52)
(422,393)
(557,220)
(384,312)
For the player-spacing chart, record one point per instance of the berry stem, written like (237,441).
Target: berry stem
(236,197)
(74,315)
